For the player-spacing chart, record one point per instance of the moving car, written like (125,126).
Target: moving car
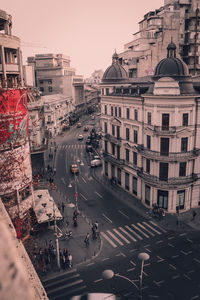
(95,163)
(80,137)
(74,169)
(78,125)
(86,128)
(95,296)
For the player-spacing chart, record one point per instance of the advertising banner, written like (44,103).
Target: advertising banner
(13,116)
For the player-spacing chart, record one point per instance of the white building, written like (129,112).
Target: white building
(151,141)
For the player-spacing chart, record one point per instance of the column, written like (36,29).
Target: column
(2,53)
(19,62)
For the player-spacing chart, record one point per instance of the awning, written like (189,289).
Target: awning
(44,207)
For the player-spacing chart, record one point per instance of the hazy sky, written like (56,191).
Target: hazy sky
(86,30)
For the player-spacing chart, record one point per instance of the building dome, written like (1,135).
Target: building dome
(171,66)
(115,73)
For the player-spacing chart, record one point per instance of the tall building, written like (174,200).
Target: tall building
(151,141)
(16,190)
(176,19)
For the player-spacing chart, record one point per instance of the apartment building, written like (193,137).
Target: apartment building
(177,20)
(151,140)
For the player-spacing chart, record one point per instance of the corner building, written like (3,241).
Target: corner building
(151,141)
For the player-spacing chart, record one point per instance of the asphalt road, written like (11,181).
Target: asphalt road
(172,272)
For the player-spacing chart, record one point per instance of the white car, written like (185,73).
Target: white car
(95,163)
(80,137)
(95,296)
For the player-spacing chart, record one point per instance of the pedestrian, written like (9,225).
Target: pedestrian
(54,171)
(59,206)
(87,240)
(63,207)
(69,260)
(94,235)
(75,221)
(96,224)
(193,215)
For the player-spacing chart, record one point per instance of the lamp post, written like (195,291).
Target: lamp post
(56,235)
(108,274)
(76,192)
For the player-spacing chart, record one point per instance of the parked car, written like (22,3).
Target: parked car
(80,137)
(96,157)
(78,125)
(98,114)
(95,296)
(74,169)
(95,163)
(86,128)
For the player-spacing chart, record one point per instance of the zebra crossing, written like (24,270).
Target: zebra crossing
(64,286)
(132,233)
(75,146)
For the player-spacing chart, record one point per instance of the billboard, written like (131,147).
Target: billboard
(13,117)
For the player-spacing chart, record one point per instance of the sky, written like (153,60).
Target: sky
(88,31)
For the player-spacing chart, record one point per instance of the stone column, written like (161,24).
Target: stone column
(19,62)
(2,54)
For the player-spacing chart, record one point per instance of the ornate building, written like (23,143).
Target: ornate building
(151,141)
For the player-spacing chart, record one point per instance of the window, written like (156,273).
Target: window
(180,201)
(105,109)
(182,169)
(120,112)
(49,118)
(118,152)
(135,136)
(113,129)
(106,168)
(127,134)
(185,119)
(41,81)
(106,146)
(115,111)
(105,127)
(163,171)
(149,118)
(165,121)
(136,114)
(162,200)
(107,91)
(135,158)
(41,89)
(148,142)
(184,144)
(147,165)
(127,155)
(164,146)
(127,181)
(127,113)
(50,89)
(119,175)
(111,110)
(49,81)
(147,194)
(112,171)
(102,91)
(113,149)
(134,185)
(118,132)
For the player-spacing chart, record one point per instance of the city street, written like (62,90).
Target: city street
(173,267)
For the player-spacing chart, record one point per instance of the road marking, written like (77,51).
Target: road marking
(195,297)
(108,239)
(83,197)
(121,236)
(145,273)
(123,214)
(175,256)
(153,296)
(171,245)
(95,281)
(152,234)
(90,264)
(114,237)
(173,267)
(186,276)
(171,237)
(185,253)
(65,286)
(130,236)
(163,230)
(148,250)
(158,232)
(131,230)
(98,194)
(84,179)
(61,280)
(133,250)
(107,218)
(175,277)
(146,265)
(182,234)
(132,263)
(147,245)
(129,270)
(189,240)
(107,258)
(197,260)
(73,291)
(138,229)
(160,259)
(160,241)
(191,271)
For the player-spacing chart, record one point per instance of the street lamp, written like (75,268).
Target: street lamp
(108,274)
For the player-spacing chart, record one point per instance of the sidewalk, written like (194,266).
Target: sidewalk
(170,221)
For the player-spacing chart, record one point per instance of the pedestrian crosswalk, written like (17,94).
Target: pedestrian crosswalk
(132,233)
(64,286)
(74,146)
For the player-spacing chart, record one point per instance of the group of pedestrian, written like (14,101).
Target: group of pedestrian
(65,259)
(156,211)
(95,230)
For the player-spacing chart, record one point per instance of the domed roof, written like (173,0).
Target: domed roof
(115,73)
(171,66)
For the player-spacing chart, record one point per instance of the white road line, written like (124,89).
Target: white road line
(130,236)
(148,250)
(83,179)
(65,286)
(129,270)
(163,230)
(73,291)
(133,250)
(175,277)
(83,197)
(160,259)
(153,296)
(182,234)
(107,258)
(147,245)
(107,218)
(197,260)
(160,241)
(175,256)
(98,194)
(171,245)
(108,239)
(114,237)
(121,236)
(132,263)
(186,276)
(90,264)
(158,232)
(123,214)
(171,237)
(137,235)
(138,229)
(95,281)
(191,271)
(185,253)
(152,234)
(189,240)
(173,267)
(195,297)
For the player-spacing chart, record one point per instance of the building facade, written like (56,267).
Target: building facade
(179,19)
(151,141)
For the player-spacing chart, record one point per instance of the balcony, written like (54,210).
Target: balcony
(172,156)
(112,159)
(113,139)
(164,130)
(169,182)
